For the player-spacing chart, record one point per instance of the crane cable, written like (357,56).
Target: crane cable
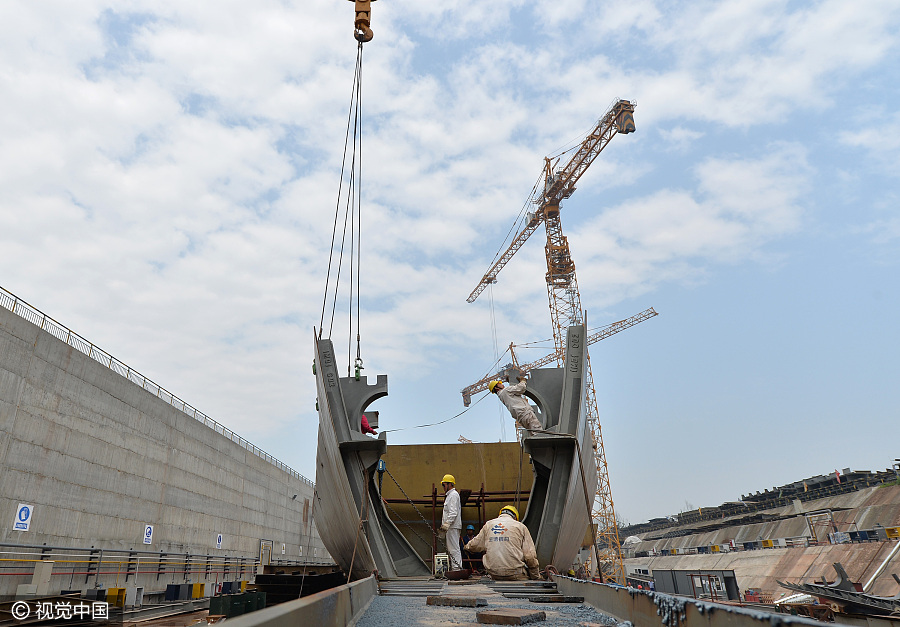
(351,214)
(440,422)
(496,354)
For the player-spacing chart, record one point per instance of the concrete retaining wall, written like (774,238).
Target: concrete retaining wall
(760,569)
(98,458)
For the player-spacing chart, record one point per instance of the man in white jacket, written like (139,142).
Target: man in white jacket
(509,550)
(451,521)
(517,404)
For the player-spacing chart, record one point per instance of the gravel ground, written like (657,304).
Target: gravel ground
(395,611)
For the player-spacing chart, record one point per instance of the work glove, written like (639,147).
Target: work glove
(445,527)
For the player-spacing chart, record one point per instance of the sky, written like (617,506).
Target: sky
(169,174)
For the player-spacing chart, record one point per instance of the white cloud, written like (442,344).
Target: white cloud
(742,63)
(679,137)
(169,171)
(739,205)
(883,140)
(454,20)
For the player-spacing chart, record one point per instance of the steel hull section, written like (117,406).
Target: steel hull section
(350,514)
(337,513)
(558,513)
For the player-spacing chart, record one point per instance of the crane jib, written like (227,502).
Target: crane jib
(559,183)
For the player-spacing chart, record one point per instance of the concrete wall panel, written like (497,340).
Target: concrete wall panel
(99,457)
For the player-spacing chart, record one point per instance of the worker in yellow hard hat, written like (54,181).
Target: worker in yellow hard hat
(509,549)
(517,404)
(451,521)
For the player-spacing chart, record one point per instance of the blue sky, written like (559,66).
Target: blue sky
(168,175)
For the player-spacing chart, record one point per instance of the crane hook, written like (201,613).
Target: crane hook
(361,30)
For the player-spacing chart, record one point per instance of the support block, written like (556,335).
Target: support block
(556,598)
(457,601)
(510,616)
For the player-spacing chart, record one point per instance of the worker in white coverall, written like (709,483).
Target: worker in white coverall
(517,404)
(451,521)
(509,549)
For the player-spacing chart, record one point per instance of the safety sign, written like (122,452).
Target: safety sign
(148,534)
(23,517)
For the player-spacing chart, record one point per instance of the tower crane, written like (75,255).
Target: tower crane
(593,336)
(565,300)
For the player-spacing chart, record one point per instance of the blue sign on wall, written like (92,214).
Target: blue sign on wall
(23,517)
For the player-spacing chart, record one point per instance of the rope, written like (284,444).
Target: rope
(514,229)
(352,217)
(362,519)
(355,210)
(588,501)
(433,424)
(409,499)
(359,217)
(496,353)
(309,523)
(519,478)
(397,519)
(353,98)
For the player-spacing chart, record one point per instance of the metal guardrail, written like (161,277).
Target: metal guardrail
(38,318)
(121,565)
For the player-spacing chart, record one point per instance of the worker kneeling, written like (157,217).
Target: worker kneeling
(509,553)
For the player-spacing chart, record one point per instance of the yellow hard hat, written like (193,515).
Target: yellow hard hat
(492,385)
(448,479)
(512,510)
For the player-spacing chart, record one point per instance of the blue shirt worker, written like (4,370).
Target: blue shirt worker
(469,556)
(451,521)
(508,547)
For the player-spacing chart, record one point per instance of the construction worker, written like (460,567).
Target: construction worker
(470,533)
(471,559)
(365,427)
(515,401)
(451,521)
(509,549)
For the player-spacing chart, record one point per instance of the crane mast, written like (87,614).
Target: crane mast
(565,300)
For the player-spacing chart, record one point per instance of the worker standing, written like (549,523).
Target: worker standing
(517,404)
(451,521)
(509,549)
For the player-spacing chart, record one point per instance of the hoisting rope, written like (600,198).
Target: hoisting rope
(432,424)
(309,524)
(352,215)
(401,521)
(496,355)
(362,519)
(427,524)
